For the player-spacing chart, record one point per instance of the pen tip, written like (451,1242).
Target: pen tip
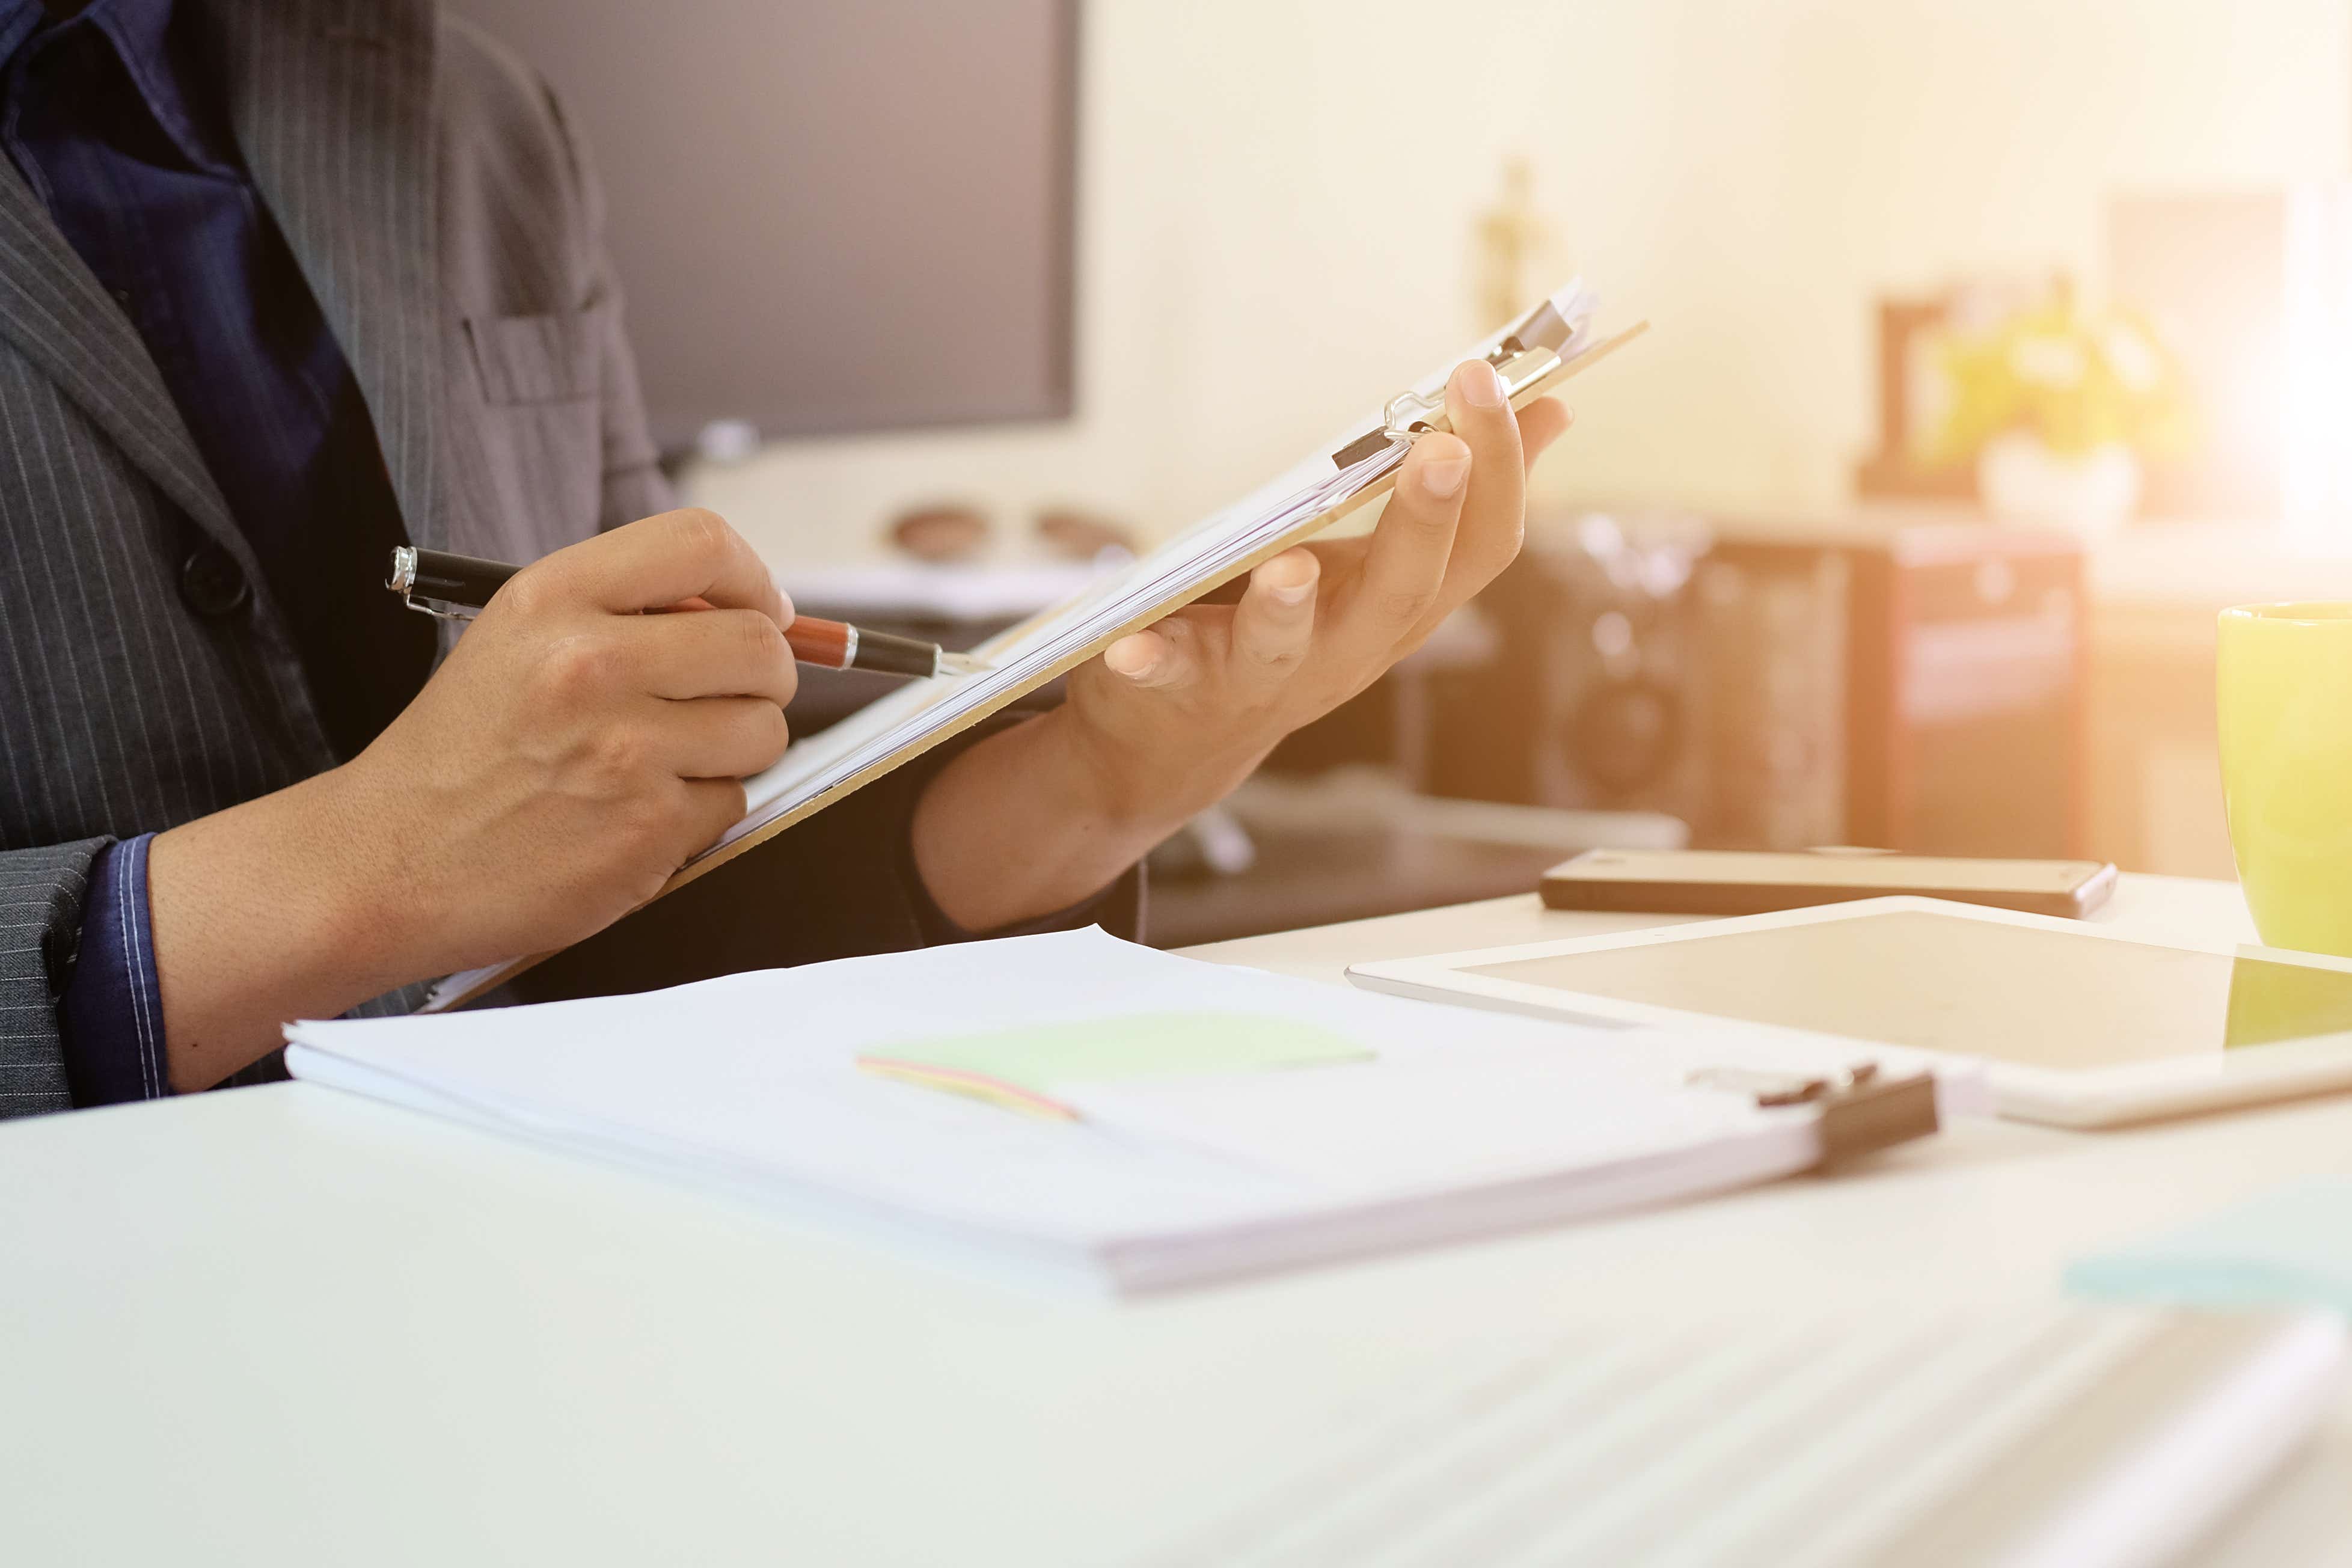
(959,664)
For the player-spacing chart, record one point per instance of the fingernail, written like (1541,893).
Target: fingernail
(1294,596)
(1122,659)
(1444,476)
(1481,385)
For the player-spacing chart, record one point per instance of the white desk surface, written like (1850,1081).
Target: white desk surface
(288,1326)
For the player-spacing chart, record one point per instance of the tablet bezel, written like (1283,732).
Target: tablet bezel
(2088,1097)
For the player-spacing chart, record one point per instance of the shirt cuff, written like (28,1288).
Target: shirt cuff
(111,1013)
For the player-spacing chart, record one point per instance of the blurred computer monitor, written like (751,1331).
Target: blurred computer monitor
(828,217)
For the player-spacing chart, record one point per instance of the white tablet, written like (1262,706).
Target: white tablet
(2082,1027)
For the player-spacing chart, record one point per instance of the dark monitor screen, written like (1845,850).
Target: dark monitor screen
(828,217)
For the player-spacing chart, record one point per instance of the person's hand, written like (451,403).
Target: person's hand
(569,755)
(1169,720)
(1176,716)
(573,750)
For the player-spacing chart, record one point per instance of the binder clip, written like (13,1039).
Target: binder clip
(1530,351)
(1861,1112)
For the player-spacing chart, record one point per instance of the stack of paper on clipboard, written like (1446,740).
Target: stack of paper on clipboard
(1552,342)
(1353,468)
(1077,1107)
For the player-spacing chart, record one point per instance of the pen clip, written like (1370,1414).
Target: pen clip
(403,581)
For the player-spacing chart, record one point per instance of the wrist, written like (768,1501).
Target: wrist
(1028,821)
(271,911)
(370,917)
(1101,785)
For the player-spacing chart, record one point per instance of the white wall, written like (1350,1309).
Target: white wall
(1277,197)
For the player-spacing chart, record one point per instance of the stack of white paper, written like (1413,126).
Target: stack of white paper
(1448,1122)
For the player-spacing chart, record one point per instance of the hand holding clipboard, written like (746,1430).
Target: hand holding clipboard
(1556,339)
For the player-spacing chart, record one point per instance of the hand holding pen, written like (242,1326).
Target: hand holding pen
(456,587)
(564,759)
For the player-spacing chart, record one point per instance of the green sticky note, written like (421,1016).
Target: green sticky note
(2290,1246)
(1122,1047)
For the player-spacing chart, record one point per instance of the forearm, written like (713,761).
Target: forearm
(283,907)
(1024,824)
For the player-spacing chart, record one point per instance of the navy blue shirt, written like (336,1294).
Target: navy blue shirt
(117,118)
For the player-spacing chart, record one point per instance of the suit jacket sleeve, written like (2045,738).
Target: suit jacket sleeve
(41,893)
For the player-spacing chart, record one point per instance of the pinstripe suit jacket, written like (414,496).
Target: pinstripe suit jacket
(428,187)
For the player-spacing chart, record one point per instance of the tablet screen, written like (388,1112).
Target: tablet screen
(2052,999)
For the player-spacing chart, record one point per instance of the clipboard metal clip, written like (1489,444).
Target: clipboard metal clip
(1530,351)
(1860,1110)
(1407,413)
(1410,413)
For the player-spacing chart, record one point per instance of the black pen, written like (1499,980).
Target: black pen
(456,587)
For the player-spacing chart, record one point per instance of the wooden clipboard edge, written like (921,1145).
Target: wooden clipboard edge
(899,759)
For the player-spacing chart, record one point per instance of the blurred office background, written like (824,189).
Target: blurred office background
(1996,346)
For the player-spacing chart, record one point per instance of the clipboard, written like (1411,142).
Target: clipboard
(1556,338)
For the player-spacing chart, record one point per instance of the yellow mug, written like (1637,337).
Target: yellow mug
(2285,710)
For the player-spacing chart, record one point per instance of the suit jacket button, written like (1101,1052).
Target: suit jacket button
(212,582)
